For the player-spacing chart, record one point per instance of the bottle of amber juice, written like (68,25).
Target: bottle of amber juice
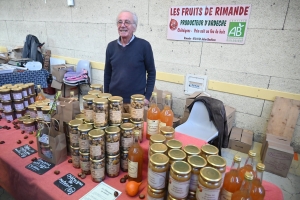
(135,161)
(153,117)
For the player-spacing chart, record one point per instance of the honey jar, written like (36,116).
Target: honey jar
(98,170)
(7,106)
(5,94)
(197,163)
(173,144)
(24,90)
(176,155)
(46,113)
(29,125)
(157,138)
(191,150)
(26,101)
(85,163)
(113,165)
(207,150)
(32,111)
(20,113)
(17,93)
(88,107)
(30,88)
(137,107)
(39,111)
(158,148)
(97,144)
(157,170)
(84,144)
(9,115)
(126,136)
(218,163)
(112,138)
(115,109)
(168,132)
(154,194)
(98,87)
(100,107)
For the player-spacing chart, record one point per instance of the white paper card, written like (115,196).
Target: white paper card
(101,192)
(44,139)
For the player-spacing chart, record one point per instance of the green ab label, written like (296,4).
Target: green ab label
(236,29)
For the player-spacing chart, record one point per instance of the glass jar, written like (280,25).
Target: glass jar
(197,163)
(218,163)
(20,113)
(80,117)
(98,87)
(124,161)
(125,117)
(20,121)
(94,92)
(158,148)
(97,144)
(9,115)
(168,132)
(7,106)
(209,184)
(88,122)
(191,150)
(157,170)
(5,94)
(32,111)
(154,194)
(207,150)
(157,138)
(137,107)
(88,107)
(85,163)
(74,132)
(138,129)
(32,98)
(25,90)
(29,125)
(100,107)
(126,136)
(84,144)
(115,109)
(112,138)
(113,165)
(46,150)
(75,157)
(179,180)
(30,88)
(98,170)
(39,111)
(17,93)
(104,95)
(26,101)
(173,144)
(46,113)
(176,155)
(19,104)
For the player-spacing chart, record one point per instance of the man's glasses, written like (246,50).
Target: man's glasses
(126,23)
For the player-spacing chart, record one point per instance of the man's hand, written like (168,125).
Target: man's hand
(146,103)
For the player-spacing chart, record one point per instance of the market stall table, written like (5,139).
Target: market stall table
(24,184)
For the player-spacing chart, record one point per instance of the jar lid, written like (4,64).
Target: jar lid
(197,161)
(89,97)
(7,85)
(75,122)
(100,101)
(4,90)
(24,86)
(127,126)
(251,153)
(181,167)
(80,117)
(191,149)
(96,85)
(94,92)
(112,130)
(126,115)
(168,97)
(96,133)
(104,95)
(86,121)
(75,148)
(115,156)
(167,130)
(260,166)
(84,154)
(101,127)
(216,161)
(85,127)
(18,100)
(31,107)
(154,94)
(237,158)
(20,111)
(210,174)
(158,148)
(177,154)
(20,119)
(46,108)
(97,161)
(30,84)
(28,121)
(41,104)
(248,176)
(157,138)
(16,89)
(209,149)
(135,122)
(159,159)
(115,99)
(174,144)
(46,101)
(155,190)
(137,97)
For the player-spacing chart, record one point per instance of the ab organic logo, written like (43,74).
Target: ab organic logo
(236,30)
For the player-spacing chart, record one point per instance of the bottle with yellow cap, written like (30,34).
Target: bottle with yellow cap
(258,190)
(232,181)
(244,192)
(249,165)
(166,115)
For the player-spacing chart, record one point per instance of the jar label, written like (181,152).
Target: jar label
(194,182)
(85,166)
(137,113)
(124,163)
(18,115)
(32,114)
(84,144)
(74,138)
(152,198)
(29,90)
(99,118)
(178,189)
(9,117)
(7,108)
(22,127)
(47,117)
(19,106)
(152,126)
(89,114)
(225,195)
(97,173)
(95,150)
(156,180)
(206,193)
(162,124)
(132,169)
(17,96)
(40,114)
(115,115)
(26,103)
(112,147)
(31,100)
(113,169)
(126,142)
(29,129)
(6,97)
(24,92)
(76,159)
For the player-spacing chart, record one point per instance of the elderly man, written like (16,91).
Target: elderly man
(129,64)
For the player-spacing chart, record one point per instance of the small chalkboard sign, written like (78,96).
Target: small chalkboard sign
(69,184)
(24,151)
(40,166)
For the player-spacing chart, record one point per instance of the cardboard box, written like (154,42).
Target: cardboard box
(4,58)
(60,86)
(230,115)
(240,140)
(278,158)
(58,71)
(17,52)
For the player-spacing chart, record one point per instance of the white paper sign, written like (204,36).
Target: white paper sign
(101,192)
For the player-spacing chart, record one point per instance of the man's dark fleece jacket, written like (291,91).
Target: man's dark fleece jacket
(129,70)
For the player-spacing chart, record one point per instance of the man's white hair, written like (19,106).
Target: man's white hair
(134,16)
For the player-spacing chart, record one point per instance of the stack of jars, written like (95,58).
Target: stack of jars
(137,114)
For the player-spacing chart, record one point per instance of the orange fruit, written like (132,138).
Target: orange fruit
(132,188)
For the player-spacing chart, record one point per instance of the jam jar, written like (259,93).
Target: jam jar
(88,107)
(85,163)
(207,150)
(17,93)
(98,170)
(100,107)
(168,132)
(157,138)
(97,144)
(74,133)
(75,157)
(112,140)
(104,95)
(115,109)
(197,163)
(29,125)
(113,165)
(98,87)
(126,136)
(157,170)
(94,92)
(137,107)
(84,144)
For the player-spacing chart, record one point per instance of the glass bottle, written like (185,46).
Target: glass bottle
(232,181)
(248,165)
(166,115)
(153,117)
(135,161)
(40,94)
(258,190)
(244,192)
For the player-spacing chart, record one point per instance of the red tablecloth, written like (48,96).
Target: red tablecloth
(24,184)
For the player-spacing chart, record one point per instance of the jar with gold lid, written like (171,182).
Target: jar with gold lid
(94,92)
(124,161)
(39,111)
(207,150)
(157,170)
(126,136)
(26,101)
(104,95)
(218,163)
(176,155)
(168,132)
(191,150)
(179,180)
(88,122)
(7,85)
(84,144)
(75,157)
(80,117)
(98,87)
(137,107)
(197,163)
(74,132)
(115,109)
(7,106)
(9,115)
(5,94)
(97,144)
(20,121)
(46,113)
(125,117)
(30,88)
(155,194)
(88,107)
(32,111)
(209,184)
(112,138)
(158,148)
(32,98)
(17,93)
(100,107)
(20,113)
(173,198)
(113,165)
(29,125)
(138,129)
(173,144)
(157,138)
(98,170)
(85,163)
(24,90)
